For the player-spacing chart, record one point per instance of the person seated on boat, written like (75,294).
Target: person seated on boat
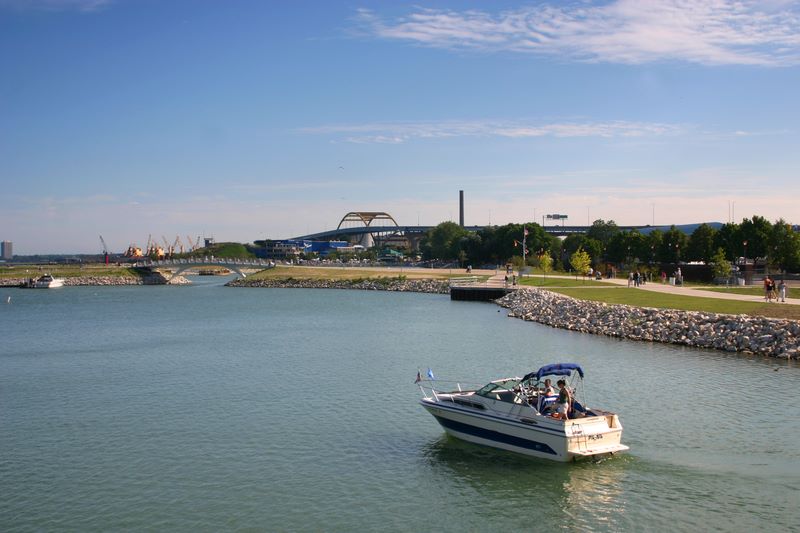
(547,398)
(548,389)
(564,400)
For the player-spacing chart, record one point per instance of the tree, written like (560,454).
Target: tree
(654,241)
(545,263)
(755,232)
(575,242)
(784,246)
(729,238)
(603,231)
(701,244)
(628,247)
(443,241)
(673,247)
(722,267)
(500,243)
(580,261)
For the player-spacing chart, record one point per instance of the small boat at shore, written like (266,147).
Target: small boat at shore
(518,415)
(44,282)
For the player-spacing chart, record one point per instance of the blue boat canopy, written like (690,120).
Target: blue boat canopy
(557,369)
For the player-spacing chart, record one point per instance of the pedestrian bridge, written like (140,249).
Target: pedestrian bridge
(178,266)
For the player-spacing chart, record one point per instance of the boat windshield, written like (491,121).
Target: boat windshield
(500,385)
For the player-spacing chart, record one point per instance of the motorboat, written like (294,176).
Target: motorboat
(518,415)
(45,282)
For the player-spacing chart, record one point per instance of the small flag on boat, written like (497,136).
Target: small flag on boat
(419,377)
(430,374)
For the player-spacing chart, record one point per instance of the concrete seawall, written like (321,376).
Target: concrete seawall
(731,333)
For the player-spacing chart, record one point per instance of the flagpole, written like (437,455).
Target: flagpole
(524,234)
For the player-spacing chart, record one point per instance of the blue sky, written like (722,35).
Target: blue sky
(245,120)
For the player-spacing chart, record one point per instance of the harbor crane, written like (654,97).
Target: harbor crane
(105,249)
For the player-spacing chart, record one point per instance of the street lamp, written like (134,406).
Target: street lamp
(744,243)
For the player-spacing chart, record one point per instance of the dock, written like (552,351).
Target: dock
(470,289)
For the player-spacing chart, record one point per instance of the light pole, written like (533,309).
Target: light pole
(744,243)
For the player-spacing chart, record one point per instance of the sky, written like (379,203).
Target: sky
(245,120)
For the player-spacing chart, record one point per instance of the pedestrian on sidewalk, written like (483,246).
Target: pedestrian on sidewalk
(782,291)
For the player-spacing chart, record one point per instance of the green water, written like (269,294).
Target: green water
(207,408)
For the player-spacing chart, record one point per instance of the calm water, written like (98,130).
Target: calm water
(207,408)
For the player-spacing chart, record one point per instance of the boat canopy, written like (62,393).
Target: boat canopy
(557,369)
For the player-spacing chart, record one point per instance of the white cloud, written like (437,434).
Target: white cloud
(709,32)
(399,132)
(56,5)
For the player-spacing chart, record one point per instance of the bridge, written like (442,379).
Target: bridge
(234,265)
(364,228)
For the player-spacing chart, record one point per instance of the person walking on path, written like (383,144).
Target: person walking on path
(768,287)
(782,291)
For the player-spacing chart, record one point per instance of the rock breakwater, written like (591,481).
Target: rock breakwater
(378,284)
(102,281)
(732,333)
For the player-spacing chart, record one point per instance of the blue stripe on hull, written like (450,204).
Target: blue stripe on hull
(488,434)
(492,418)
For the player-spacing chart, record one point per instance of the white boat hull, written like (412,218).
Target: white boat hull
(528,433)
(54,284)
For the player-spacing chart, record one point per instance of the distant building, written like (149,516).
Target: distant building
(7,250)
(291,249)
(283,249)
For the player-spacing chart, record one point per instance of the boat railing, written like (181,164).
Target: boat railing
(432,388)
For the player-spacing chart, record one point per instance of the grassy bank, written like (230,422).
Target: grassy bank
(67,271)
(631,296)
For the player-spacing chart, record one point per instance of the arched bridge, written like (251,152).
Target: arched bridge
(234,265)
(560,231)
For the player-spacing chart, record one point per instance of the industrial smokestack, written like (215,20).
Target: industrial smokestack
(461,208)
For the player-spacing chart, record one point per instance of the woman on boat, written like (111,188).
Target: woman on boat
(564,400)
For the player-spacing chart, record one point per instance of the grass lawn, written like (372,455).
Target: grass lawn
(334,273)
(748,291)
(539,281)
(631,296)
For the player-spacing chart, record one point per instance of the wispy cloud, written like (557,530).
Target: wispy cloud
(709,32)
(400,132)
(56,5)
